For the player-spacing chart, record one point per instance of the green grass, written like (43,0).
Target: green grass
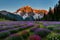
(3,19)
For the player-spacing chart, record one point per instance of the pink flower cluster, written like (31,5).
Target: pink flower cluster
(34,37)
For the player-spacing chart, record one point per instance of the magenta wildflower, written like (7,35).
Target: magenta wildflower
(34,37)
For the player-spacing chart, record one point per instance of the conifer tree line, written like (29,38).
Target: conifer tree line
(53,16)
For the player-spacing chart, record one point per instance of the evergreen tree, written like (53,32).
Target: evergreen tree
(50,15)
(57,12)
(44,17)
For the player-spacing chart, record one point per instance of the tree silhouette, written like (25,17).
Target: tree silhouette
(57,12)
(50,15)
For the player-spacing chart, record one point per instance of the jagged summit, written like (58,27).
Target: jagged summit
(26,9)
(29,9)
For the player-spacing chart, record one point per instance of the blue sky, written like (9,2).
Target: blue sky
(13,5)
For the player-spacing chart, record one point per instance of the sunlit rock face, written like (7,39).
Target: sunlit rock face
(27,11)
(36,11)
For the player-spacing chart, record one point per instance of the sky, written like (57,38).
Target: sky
(13,5)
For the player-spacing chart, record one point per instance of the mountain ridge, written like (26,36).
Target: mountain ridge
(28,9)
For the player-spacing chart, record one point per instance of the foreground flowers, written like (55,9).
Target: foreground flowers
(29,31)
(34,37)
